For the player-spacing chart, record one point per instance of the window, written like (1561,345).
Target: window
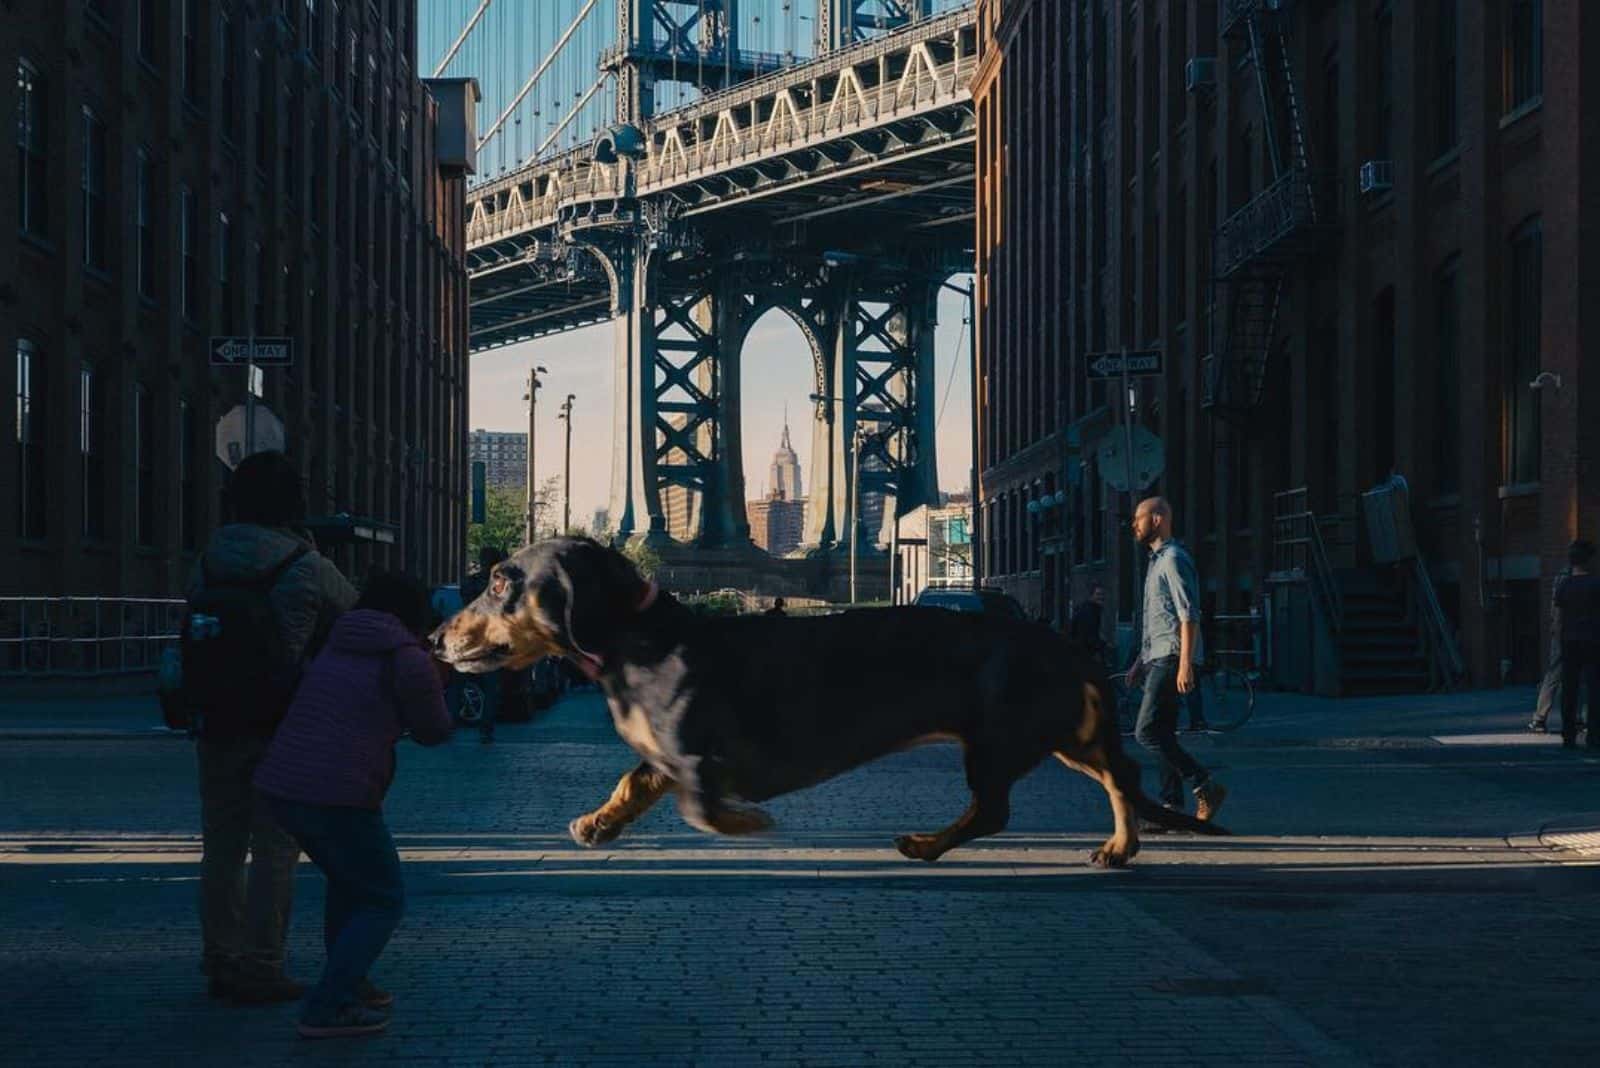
(188,236)
(188,499)
(1447,376)
(263,87)
(92,185)
(258,319)
(1446,123)
(405,144)
(319,162)
(91,454)
(314,30)
(149,28)
(339,64)
(356,72)
(224,270)
(191,52)
(144,225)
(1522,356)
(1522,62)
(144,474)
(291,159)
(31,493)
(230,88)
(1383,91)
(33,167)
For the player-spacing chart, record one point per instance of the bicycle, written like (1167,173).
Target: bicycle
(1228,696)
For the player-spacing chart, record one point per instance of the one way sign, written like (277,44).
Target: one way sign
(262,351)
(1139,362)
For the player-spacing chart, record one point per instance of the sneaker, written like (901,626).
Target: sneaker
(1149,826)
(373,996)
(1209,799)
(1537,726)
(352,1021)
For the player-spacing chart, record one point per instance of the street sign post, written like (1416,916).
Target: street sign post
(253,352)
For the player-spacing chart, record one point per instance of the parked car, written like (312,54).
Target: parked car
(984,601)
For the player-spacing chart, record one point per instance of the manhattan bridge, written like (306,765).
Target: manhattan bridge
(683,167)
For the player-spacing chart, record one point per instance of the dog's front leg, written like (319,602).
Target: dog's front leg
(638,790)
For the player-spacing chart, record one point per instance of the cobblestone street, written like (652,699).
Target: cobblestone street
(1389,899)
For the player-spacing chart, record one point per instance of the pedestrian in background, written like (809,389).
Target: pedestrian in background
(324,780)
(777,608)
(1579,604)
(261,600)
(1169,650)
(1550,685)
(1087,627)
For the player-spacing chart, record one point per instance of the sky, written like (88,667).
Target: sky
(777,375)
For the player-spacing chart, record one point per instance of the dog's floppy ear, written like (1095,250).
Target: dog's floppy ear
(583,593)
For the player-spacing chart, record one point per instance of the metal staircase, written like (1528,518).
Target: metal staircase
(1256,247)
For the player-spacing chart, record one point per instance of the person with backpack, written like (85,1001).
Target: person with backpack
(325,776)
(261,599)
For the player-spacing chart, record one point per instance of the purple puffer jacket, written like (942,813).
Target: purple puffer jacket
(371,681)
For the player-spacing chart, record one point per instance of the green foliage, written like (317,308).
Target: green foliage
(714,604)
(644,558)
(502,526)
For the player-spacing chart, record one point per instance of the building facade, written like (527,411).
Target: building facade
(777,524)
(935,548)
(196,168)
(504,455)
(1353,231)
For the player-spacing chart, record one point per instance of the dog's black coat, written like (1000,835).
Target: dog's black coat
(731,710)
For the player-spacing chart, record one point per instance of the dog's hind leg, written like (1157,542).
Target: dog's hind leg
(705,808)
(638,790)
(988,814)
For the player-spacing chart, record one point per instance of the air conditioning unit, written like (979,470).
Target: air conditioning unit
(1377,175)
(1200,73)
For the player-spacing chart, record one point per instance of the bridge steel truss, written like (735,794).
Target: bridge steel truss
(838,192)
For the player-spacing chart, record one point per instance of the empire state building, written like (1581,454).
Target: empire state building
(784,475)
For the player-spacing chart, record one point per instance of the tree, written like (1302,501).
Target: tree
(502,526)
(645,559)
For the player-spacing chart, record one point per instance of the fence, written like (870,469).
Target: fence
(85,636)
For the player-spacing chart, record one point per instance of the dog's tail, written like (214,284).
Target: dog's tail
(1171,818)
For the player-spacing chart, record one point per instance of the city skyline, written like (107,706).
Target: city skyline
(777,372)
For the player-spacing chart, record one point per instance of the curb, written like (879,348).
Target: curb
(1571,839)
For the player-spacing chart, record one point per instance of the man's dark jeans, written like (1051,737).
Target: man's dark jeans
(366,898)
(1580,662)
(1157,731)
(243,921)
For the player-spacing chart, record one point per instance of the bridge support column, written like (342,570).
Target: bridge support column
(635,494)
(880,383)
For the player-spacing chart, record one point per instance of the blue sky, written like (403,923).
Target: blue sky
(777,373)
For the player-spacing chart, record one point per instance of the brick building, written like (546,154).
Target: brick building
(1355,231)
(504,455)
(189,168)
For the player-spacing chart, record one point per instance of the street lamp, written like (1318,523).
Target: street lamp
(566,489)
(532,397)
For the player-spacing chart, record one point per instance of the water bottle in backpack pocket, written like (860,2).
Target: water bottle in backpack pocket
(237,678)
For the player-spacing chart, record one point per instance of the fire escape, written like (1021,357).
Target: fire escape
(1256,247)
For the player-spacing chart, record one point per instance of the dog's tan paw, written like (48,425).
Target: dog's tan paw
(589,832)
(1114,854)
(918,847)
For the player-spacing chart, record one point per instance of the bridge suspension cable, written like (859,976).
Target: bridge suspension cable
(462,38)
(544,65)
(576,108)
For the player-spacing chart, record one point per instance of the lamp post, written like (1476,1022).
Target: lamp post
(532,397)
(855,505)
(566,486)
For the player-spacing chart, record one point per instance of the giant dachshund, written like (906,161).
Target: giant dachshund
(727,712)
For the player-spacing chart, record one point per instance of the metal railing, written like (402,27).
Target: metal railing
(1298,547)
(86,636)
(1284,209)
(1393,538)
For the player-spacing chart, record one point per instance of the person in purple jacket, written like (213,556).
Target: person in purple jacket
(325,775)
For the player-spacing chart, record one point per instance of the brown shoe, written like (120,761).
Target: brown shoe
(1209,799)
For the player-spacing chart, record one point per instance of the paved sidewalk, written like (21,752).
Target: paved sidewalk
(1394,901)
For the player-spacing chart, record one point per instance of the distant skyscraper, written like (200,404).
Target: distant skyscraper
(784,475)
